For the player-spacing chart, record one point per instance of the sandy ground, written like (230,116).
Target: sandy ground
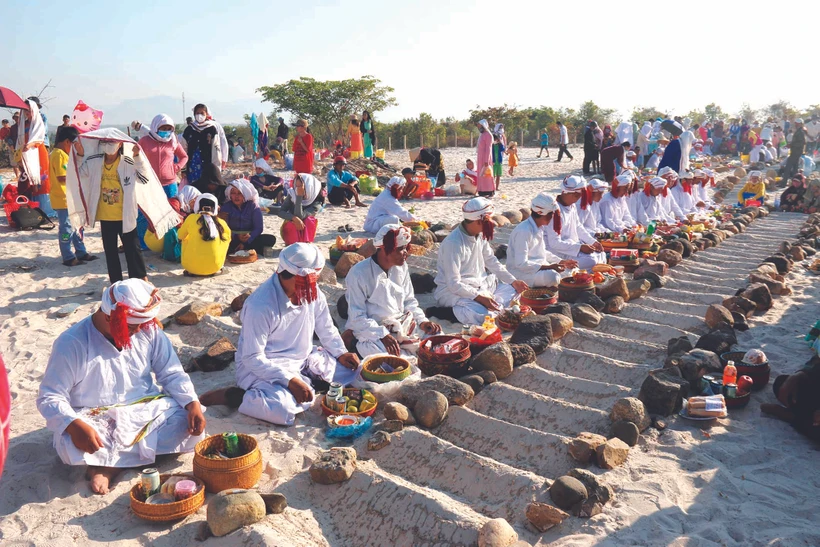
(748,480)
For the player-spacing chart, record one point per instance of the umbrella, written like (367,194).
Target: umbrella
(10,99)
(673,127)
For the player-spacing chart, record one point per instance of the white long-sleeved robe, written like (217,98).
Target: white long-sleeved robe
(624,134)
(463,261)
(700,193)
(686,202)
(85,372)
(384,210)
(670,205)
(567,244)
(651,208)
(654,161)
(615,215)
(527,252)
(591,218)
(687,139)
(375,296)
(276,345)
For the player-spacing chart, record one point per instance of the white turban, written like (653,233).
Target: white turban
(263,165)
(185,196)
(667,171)
(699,173)
(755,174)
(305,261)
(484,124)
(598,185)
(688,175)
(573,183)
(623,180)
(396,181)
(477,208)
(247,189)
(544,203)
(209,217)
(138,298)
(401,237)
(708,172)
(657,182)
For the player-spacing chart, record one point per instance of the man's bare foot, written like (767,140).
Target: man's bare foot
(228,396)
(346,204)
(360,204)
(777,411)
(100,478)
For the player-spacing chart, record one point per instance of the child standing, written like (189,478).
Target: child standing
(545,142)
(498,159)
(512,160)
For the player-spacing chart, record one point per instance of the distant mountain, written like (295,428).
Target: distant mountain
(226,112)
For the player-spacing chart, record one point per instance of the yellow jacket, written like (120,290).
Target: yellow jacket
(756,188)
(201,257)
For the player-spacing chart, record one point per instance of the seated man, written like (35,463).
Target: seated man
(699,184)
(615,215)
(591,217)
(276,361)
(527,256)
(799,395)
(462,281)
(342,186)
(649,203)
(386,208)
(655,160)
(670,204)
(382,308)
(681,192)
(99,397)
(573,242)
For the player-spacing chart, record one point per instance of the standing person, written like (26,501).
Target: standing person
(303,149)
(813,134)
(354,135)
(282,133)
(5,130)
(718,132)
(778,139)
(110,182)
(498,159)
(67,235)
(66,123)
(614,157)
(32,147)
(205,238)
(643,141)
(590,148)
(342,186)
(545,142)
(304,200)
(796,148)
(484,158)
(368,131)
(563,142)
(608,137)
(206,143)
(164,153)
(244,218)
(512,160)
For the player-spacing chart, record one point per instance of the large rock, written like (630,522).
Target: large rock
(561,325)
(192,313)
(626,431)
(397,411)
(719,340)
(497,533)
(497,358)
(672,258)
(488,375)
(423,238)
(423,283)
(474,381)
(347,261)
(582,448)
(631,409)
(638,288)
(797,254)
(328,276)
(656,280)
(674,245)
(585,315)
(658,268)
(566,491)
(544,516)
(457,393)
(430,409)
(441,235)
(230,510)
(368,249)
(717,314)
(513,216)
(501,220)
(591,299)
(688,248)
(612,454)
(559,307)
(783,264)
(525,213)
(596,490)
(680,344)
(216,357)
(740,305)
(614,304)
(662,393)
(775,287)
(740,322)
(696,363)
(535,331)
(238,302)
(334,465)
(613,287)
(522,354)
(760,294)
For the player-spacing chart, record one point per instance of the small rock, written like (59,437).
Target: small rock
(740,305)
(341,307)
(740,322)
(560,308)
(688,248)
(678,345)
(525,214)
(275,503)
(522,355)
(716,314)
(566,491)
(500,220)
(397,411)
(423,283)
(497,358)
(203,531)
(657,267)
(658,423)
(368,249)
(656,280)
(589,508)
(378,440)
(544,516)
(327,276)
(631,409)
(674,245)
(613,287)
(66,310)
(626,431)
(698,362)
(582,448)
(392,426)
(638,288)
(513,216)
(591,299)
(193,313)
(662,392)
(230,510)
(424,238)
(474,381)
(333,466)
(535,331)
(560,324)
(430,409)
(216,357)
(719,340)
(612,453)
(488,375)
(614,304)
(585,315)
(501,252)
(596,490)
(497,533)
(347,261)
(457,393)
(441,235)
(783,264)
(760,294)
(672,258)
(775,287)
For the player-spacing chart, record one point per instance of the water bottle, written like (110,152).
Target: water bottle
(777,202)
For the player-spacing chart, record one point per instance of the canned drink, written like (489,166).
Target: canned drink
(149,479)
(334,391)
(231,444)
(341,403)
(731,390)
(706,383)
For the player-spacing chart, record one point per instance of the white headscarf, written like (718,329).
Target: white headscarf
(477,208)
(573,183)
(247,189)
(668,171)
(402,236)
(263,165)
(186,194)
(544,204)
(657,182)
(622,180)
(139,298)
(396,181)
(598,185)
(312,189)
(305,261)
(208,216)
(757,174)
(699,173)
(158,121)
(499,129)
(484,124)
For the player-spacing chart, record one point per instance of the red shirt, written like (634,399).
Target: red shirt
(4,133)
(302,158)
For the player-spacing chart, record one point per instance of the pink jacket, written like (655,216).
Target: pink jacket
(484,159)
(161,157)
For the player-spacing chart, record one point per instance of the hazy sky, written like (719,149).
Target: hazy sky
(441,56)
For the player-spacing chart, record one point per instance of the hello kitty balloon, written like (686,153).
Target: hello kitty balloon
(85,118)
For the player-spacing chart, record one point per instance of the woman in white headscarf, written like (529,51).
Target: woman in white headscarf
(305,198)
(164,153)
(266,183)
(205,238)
(244,217)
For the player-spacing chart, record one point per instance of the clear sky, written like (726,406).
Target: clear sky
(441,56)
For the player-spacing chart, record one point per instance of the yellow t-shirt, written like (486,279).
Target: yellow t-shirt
(57,166)
(201,257)
(110,205)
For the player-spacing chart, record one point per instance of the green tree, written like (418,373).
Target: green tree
(646,113)
(697,116)
(328,105)
(747,113)
(714,112)
(781,110)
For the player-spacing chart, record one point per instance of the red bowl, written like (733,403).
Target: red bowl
(738,402)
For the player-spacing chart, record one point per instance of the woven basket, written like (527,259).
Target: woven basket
(243,259)
(455,369)
(530,298)
(426,352)
(168,511)
(738,402)
(760,374)
(349,391)
(219,475)
(372,363)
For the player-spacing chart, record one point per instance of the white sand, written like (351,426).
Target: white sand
(749,480)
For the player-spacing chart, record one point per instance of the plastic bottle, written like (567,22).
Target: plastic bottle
(730,373)
(651,228)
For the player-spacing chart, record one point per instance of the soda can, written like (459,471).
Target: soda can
(731,390)
(149,479)
(334,391)
(341,403)
(706,383)
(231,444)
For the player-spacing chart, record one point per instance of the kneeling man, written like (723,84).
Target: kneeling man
(573,242)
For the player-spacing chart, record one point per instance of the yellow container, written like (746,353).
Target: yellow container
(744,158)
(380,153)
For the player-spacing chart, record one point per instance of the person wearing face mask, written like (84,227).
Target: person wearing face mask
(304,199)
(164,153)
(207,143)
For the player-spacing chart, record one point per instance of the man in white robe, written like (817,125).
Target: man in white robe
(386,208)
(98,394)
(591,217)
(681,192)
(655,161)
(703,177)
(462,280)
(573,241)
(650,205)
(644,136)
(527,256)
(615,215)
(624,133)
(383,313)
(276,360)
(670,205)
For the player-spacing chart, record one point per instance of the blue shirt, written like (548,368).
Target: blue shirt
(334,179)
(545,139)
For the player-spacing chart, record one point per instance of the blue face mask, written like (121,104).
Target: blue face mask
(164,134)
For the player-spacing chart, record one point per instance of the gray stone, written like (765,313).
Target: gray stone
(775,286)
(626,431)
(497,532)
(638,288)
(596,489)
(441,235)
(784,265)
(328,276)
(513,216)
(378,440)
(588,508)
(592,299)
(192,313)
(566,491)
(663,392)
(656,280)
(674,245)
(544,516)
(585,315)
(500,252)
(522,355)
(457,393)
(688,248)
(658,423)
(203,531)
(474,381)
(535,331)
(631,409)
(614,304)
(392,426)
(397,411)
(698,362)
(422,283)
(740,305)
(678,345)
(275,503)
(424,238)
(612,287)
(719,340)
(560,324)
(672,258)
(582,448)
(430,409)
(715,314)
(497,358)
(612,454)
(559,307)
(760,294)
(230,510)
(488,375)
(67,310)
(216,357)
(334,466)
